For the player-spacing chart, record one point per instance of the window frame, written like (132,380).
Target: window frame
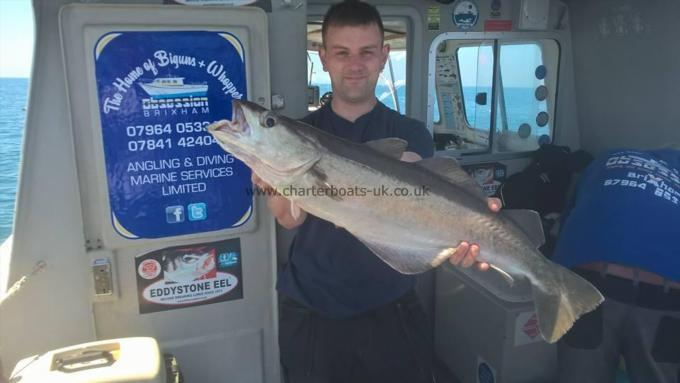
(493,79)
(496,38)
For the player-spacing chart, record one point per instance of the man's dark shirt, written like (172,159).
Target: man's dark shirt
(329,270)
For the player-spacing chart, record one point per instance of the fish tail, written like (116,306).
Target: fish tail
(560,299)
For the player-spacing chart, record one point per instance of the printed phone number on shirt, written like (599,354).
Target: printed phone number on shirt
(658,192)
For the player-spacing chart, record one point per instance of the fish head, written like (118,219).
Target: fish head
(268,143)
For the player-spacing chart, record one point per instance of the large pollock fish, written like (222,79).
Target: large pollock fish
(349,184)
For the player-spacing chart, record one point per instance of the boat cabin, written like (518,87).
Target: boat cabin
(131,222)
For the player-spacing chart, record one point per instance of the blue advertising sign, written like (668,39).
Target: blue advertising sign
(158,91)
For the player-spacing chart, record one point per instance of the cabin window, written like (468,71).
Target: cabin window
(391,86)
(494,95)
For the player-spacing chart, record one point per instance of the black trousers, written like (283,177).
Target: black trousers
(388,344)
(640,323)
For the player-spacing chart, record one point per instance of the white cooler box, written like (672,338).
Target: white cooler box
(487,332)
(123,360)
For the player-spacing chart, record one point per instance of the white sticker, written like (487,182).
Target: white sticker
(149,269)
(526,329)
(465,15)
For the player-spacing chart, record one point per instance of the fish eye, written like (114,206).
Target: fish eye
(268,120)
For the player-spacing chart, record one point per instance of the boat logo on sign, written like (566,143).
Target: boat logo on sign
(173,87)
(172,92)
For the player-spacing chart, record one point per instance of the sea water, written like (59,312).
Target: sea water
(13,102)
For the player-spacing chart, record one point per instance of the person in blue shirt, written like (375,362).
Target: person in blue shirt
(621,231)
(345,316)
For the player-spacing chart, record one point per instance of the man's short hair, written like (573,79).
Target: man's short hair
(351,13)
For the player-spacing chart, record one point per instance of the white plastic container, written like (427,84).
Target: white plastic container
(123,360)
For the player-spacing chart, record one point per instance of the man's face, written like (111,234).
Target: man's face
(354,56)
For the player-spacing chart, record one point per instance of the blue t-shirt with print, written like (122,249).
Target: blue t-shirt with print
(329,270)
(626,210)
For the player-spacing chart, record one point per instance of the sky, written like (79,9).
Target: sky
(16,38)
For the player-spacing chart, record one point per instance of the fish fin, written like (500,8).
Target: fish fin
(294,210)
(405,261)
(448,168)
(329,191)
(391,146)
(508,278)
(320,178)
(560,299)
(530,223)
(318,174)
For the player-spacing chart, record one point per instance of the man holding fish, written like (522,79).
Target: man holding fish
(348,311)
(345,314)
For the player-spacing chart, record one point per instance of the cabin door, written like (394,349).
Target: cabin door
(178,247)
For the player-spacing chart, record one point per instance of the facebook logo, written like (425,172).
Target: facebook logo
(197,211)
(174,214)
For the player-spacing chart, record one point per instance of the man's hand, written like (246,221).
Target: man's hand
(465,254)
(259,182)
(279,206)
